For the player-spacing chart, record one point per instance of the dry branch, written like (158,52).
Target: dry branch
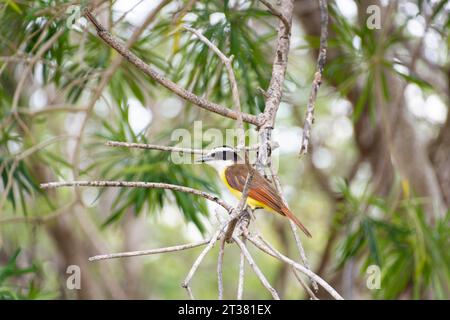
(275,91)
(117,45)
(277,13)
(137,184)
(255,268)
(240,291)
(154,147)
(309,118)
(174,149)
(149,252)
(276,254)
(198,261)
(220,268)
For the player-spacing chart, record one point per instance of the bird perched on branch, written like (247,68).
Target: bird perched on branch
(234,172)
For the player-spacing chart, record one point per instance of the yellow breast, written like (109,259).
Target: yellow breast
(250,202)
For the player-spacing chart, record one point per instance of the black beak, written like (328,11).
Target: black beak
(202,159)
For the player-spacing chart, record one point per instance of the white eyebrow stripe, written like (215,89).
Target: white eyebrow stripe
(222,149)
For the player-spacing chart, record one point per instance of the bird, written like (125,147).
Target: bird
(233,173)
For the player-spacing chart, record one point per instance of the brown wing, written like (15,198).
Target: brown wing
(260,190)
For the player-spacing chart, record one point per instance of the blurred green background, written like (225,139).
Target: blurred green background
(374,190)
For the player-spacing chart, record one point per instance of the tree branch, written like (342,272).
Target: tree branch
(154,147)
(133,184)
(220,268)
(145,68)
(304,285)
(255,268)
(275,90)
(173,149)
(198,261)
(276,254)
(149,252)
(298,242)
(309,118)
(240,291)
(277,13)
(227,61)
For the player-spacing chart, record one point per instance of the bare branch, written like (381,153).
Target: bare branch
(137,184)
(240,291)
(298,242)
(199,260)
(309,118)
(181,92)
(304,285)
(190,294)
(154,147)
(127,12)
(220,268)
(106,77)
(276,254)
(277,13)
(150,251)
(275,90)
(174,149)
(255,268)
(301,251)
(227,61)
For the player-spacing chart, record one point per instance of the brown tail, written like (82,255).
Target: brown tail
(292,216)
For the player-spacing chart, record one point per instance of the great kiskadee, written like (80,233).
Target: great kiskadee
(233,173)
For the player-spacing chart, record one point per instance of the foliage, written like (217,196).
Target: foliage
(411,253)
(11,270)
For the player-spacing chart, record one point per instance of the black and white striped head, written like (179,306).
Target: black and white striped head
(225,154)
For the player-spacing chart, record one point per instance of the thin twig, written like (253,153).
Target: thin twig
(304,285)
(255,268)
(220,268)
(293,226)
(276,254)
(240,291)
(309,118)
(154,147)
(137,184)
(173,149)
(127,12)
(149,252)
(227,61)
(275,90)
(200,258)
(198,261)
(107,76)
(190,294)
(302,252)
